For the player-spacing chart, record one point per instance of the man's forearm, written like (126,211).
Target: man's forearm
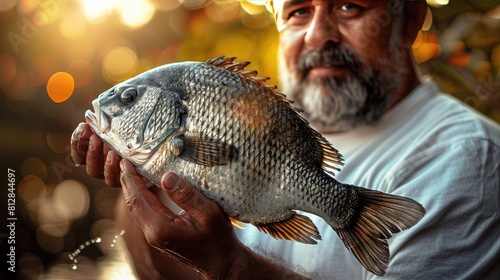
(250,265)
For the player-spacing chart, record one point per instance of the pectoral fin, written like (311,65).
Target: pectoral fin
(204,151)
(299,228)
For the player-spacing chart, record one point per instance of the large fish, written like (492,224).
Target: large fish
(244,145)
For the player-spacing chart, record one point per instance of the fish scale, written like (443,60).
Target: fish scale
(245,146)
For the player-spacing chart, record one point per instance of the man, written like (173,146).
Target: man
(349,65)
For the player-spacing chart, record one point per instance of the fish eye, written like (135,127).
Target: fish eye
(129,95)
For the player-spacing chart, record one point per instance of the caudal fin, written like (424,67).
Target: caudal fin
(380,216)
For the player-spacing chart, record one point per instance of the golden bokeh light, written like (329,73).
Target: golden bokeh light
(53,220)
(136,13)
(8,70)
(73,26)
(252,7)
(82,72)
(106,230)
(166,5)
(34,166)
(239,44)
(118,64)
(105,201)
(428,20)
(58,142)
(50,243)
(7,5)
(426,46)
(222,12)
(60,86)
(438,3)
(494,13)
(27,6)
(31,266)
(495,56)
(72,198)
(96,11)
(193,4)
(33,191)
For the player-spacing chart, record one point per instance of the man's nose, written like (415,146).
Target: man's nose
(323,27)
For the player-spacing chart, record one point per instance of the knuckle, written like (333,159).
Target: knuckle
(185,194)
(132,201)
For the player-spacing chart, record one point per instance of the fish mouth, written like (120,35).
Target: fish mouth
(99,122)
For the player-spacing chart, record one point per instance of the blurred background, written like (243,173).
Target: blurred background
(56,56)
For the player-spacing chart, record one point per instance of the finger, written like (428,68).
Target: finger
(199,207)
(95,157)
(112,169)
(80,143)
(148,211)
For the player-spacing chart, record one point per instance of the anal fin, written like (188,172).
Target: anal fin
(298,228)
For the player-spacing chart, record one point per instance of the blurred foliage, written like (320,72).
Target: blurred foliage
(96,43)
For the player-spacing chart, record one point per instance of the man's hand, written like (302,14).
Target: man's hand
(201,233)
(89,150)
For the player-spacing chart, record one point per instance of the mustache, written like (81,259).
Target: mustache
(330,55)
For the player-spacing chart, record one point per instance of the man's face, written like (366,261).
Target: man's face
(340,60)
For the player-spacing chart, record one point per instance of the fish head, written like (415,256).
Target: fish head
(134,117)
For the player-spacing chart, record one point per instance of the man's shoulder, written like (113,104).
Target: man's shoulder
(442,119)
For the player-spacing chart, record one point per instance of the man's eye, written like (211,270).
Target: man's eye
(349,10)
(298,13)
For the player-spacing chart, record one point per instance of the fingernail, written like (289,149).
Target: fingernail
(122,165)
(171,182)
(80,132)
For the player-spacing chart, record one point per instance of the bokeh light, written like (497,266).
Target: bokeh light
(72,198)
(73,26)
(30,266)
(6,5)
(58,142)
(53,220)
(34,166)
(60,86)
(8,70)
(33,191)
(96,11)
(438,3)
(28,6)
(119,63)
(136,13)
(49,241)
(82,71)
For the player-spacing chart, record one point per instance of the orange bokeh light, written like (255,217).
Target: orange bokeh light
(60,86)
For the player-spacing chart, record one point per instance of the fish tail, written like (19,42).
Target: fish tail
(379,217)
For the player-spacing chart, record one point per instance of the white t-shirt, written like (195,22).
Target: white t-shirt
(437,151)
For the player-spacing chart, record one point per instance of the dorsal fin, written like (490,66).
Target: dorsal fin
(331,158)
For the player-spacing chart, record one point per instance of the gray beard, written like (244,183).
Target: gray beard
(335,106)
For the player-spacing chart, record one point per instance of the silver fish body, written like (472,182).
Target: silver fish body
(246,147)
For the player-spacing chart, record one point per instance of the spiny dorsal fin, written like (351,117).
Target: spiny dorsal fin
(332,159)
(298,227)
(239,67)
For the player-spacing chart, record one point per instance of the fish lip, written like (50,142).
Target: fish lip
(99,121)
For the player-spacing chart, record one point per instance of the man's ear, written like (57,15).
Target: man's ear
(414,13)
